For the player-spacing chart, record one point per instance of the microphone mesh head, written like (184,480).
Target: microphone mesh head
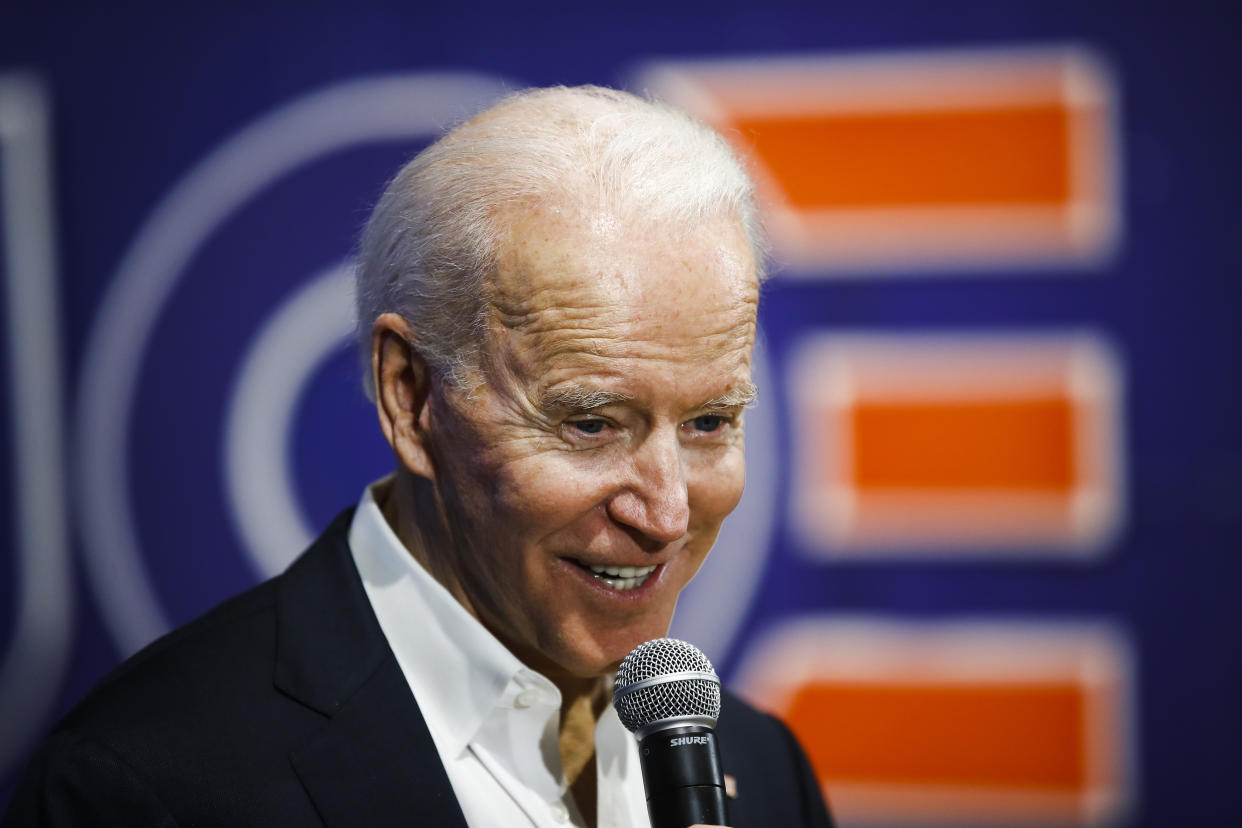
(674,699)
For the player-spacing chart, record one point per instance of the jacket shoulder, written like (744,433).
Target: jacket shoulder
(181,671)
(212,665)
(195,722)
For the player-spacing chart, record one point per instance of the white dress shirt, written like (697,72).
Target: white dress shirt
(494,720)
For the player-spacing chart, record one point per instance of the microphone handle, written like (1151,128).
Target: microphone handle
(682,775)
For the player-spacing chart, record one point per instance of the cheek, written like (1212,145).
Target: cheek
(539,496)
(716,488)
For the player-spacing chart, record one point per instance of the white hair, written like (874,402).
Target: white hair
(433,239)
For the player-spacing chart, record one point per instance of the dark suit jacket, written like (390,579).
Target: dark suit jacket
(285,706)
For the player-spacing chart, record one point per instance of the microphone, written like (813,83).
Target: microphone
(668,696)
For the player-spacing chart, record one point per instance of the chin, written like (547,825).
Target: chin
(599,661)
(619,647)
(598,645)
(602,662)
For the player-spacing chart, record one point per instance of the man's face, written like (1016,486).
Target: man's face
(586,480)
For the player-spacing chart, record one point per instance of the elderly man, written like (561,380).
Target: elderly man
(557,308)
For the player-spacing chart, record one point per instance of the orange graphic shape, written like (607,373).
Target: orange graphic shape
(1016,156)
(999,445)
(914,161)
(1010,736)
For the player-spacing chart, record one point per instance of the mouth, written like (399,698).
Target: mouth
(619,578)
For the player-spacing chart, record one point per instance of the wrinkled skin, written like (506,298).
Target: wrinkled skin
(605,428)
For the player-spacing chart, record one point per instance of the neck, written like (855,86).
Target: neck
(408,503)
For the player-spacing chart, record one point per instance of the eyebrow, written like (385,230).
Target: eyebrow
(576,398)
(579,398)
(738,397)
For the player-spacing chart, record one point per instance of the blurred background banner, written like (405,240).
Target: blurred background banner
(989,558)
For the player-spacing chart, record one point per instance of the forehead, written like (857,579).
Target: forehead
(624,305)
(584,281)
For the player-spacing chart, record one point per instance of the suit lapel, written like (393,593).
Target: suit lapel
(369,767)
(373,762)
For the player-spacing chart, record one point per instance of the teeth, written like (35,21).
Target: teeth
(622,571)
(621,578)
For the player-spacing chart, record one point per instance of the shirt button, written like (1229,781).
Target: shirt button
(559,812)
(527,698)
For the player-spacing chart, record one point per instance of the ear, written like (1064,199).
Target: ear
(402,385)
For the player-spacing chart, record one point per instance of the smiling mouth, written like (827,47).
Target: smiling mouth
(620,578)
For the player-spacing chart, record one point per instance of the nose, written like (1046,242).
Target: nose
(655,502)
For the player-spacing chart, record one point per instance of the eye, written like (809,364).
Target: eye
(708,423)
(588,426)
